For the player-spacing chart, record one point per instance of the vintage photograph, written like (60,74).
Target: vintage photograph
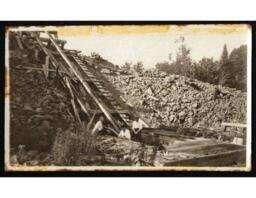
(128,97)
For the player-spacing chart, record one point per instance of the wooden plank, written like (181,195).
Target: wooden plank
(41,69)
(56,40)
(72,100)
(46,66)
(233,124)
(215,160)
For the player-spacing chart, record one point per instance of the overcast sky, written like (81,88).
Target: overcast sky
(151,48)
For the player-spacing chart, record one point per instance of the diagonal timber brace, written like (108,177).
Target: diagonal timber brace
(84,84)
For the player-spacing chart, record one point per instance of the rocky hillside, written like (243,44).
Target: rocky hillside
(38,108)
(173,100)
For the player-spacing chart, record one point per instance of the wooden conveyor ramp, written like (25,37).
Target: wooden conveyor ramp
(82,78)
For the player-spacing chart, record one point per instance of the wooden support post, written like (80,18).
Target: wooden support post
(46,66)
(36,54)
(72,100)
(82,105)
(19,42)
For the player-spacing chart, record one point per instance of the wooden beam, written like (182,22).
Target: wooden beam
(72,99)
(46,66)
(72,51)
(233,124)
(62,42)
(40,69)
(19,42)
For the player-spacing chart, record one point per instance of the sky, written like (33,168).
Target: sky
(154,45)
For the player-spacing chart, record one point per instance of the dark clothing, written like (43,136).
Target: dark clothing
(136,136)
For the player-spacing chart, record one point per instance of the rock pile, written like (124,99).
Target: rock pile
(173,100)
(126,152)
(38,107)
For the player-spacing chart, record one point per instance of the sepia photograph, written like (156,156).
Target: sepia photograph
(153,97)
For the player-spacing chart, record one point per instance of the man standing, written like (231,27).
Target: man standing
(137,126)
(98,126)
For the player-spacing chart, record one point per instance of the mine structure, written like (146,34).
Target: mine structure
(92,96)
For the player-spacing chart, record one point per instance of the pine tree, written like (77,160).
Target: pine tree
(224,56)
(225,68)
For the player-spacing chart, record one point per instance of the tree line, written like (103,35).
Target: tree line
(229,70)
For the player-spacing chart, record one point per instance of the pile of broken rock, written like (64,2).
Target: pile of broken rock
(38,108)
(172,100)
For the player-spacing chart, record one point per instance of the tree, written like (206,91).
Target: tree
(232,71)
(224,56)
(183,62)
(163,66)
(127,66)
(207,70)
(226,75)
(238,57)
(225,68)
(182,65)
(138,67)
